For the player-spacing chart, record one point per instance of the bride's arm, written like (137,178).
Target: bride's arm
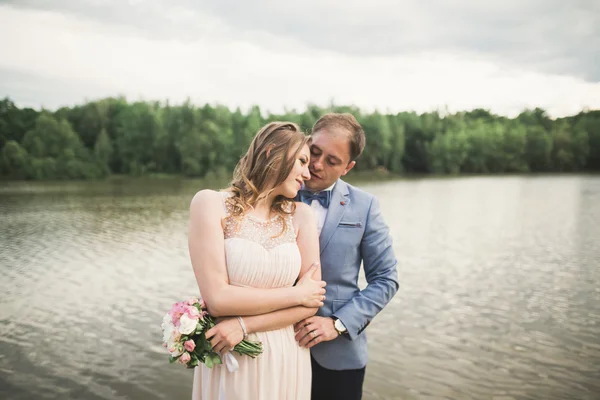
(207,252)
(228,333)
(308,243)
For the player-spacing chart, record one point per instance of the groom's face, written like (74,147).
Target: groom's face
(329,158)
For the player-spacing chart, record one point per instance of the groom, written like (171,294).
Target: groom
(352,231)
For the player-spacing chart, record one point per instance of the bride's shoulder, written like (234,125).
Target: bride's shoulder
(208,199)
(302,207)
(303,212)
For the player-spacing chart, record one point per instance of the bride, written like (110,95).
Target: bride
(255,255)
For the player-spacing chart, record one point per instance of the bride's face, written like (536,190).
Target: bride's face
(289,188)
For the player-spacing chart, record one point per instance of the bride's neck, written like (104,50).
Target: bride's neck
(262,207)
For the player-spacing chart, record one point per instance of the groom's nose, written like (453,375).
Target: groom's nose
(317,164)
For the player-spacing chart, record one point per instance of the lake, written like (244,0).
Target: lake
(499,288)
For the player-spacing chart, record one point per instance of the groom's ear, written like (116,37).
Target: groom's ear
(349,167)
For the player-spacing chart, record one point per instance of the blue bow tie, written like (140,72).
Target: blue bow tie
(323,197)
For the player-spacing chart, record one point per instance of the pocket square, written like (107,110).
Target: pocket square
(350,224)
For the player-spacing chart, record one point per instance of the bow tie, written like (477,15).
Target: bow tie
(323,197)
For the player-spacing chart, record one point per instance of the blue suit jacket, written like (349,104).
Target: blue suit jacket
(354,232)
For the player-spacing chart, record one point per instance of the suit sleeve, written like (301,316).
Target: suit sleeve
(380,267)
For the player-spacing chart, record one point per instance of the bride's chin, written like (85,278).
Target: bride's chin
(291,194)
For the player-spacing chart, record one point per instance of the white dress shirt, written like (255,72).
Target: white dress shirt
(320,211)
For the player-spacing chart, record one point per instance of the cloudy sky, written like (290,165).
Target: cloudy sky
(378,54)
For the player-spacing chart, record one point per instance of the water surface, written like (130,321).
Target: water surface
(499,295)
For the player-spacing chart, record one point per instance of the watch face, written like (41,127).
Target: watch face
(339,326)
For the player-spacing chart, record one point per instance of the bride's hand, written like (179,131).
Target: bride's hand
(225,335)
(311,292)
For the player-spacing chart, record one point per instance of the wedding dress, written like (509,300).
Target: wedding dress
(261,254)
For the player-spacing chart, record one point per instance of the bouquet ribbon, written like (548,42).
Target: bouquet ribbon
(231,362)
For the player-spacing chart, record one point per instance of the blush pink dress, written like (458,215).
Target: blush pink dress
(260,254)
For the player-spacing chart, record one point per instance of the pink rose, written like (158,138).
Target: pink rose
(191,301)
(176,312)
(189,345)
(192,312)
(185,358)
(177,307)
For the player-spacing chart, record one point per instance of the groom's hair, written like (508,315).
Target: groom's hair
(347,122)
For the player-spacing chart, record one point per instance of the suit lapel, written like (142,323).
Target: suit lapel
(337,207)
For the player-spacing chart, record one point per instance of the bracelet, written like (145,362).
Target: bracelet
(241,321)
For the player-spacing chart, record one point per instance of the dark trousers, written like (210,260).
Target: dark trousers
(328,384)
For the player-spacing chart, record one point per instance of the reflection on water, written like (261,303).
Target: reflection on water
(499,296)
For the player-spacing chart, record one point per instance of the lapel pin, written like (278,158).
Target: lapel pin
(343,203)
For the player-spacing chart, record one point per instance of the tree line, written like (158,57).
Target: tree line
(113,136)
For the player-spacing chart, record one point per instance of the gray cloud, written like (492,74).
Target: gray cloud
(548,36)
(551,36)
(146,16)
(34,90)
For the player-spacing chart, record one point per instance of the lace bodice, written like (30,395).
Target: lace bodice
(269,234)
(260,253)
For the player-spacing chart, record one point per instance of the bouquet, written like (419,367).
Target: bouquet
(184,335)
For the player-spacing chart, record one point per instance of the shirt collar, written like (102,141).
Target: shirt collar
(324,190)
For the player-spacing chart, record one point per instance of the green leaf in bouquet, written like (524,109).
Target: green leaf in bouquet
(214,358)
(199,349)
(206,346)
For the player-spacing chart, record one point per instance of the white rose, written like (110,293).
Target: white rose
(166,320)
(169,330)
(187,324)
(167,327)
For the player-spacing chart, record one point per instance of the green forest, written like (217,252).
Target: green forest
(113,136)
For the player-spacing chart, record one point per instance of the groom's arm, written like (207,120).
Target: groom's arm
(381,274)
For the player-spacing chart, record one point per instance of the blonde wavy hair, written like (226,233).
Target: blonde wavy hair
(266,165)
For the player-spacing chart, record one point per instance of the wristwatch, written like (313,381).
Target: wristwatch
(338,325)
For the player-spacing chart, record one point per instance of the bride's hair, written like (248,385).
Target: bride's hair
(266,165)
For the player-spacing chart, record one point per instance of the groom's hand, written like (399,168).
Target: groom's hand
(314,330)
